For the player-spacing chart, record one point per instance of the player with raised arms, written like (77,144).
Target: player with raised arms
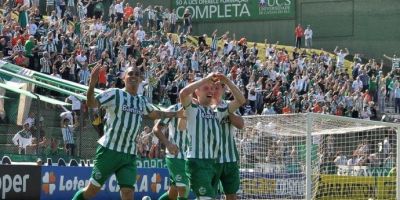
(203,128)
(116,150)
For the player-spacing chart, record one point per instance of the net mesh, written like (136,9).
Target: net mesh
(351,159)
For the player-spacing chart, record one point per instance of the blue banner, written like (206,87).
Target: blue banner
(62,183)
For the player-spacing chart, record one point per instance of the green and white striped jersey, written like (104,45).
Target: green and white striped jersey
(228,151)
(180,138)
(203,127)
(124,117)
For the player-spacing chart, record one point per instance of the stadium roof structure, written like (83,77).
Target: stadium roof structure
(18,74)
(33,95)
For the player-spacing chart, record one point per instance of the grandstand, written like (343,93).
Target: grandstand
(322,137)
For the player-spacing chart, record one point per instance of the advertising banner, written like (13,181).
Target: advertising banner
(229,10)
(356,187)
(269,185)
(62,183)
(19,182)
(344,170)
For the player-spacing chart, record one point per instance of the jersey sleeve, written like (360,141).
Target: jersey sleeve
(148,107)
(107,98)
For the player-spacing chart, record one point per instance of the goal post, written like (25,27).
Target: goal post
(317,156)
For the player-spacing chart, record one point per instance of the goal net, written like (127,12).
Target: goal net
(348,158)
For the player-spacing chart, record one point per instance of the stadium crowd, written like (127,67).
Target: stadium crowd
(74,36)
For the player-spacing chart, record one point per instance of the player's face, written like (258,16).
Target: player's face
(133,77)
(205,94)
(219,91)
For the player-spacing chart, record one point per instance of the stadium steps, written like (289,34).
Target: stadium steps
(10,148)
(6,138)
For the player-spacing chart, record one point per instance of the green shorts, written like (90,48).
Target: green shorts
(202,176)
(108,162)
(176,169)
(228,174)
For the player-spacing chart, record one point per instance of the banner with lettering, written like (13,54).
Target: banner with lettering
(228,10)
(258,185)
(62,183)
(355,187)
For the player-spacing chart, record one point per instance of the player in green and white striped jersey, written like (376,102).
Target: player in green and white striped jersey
(175,159)
(116,150)
(228,157)
(203,126)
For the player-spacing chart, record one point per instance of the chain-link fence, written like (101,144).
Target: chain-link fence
(30,128)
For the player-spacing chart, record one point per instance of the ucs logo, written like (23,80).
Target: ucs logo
(49,183)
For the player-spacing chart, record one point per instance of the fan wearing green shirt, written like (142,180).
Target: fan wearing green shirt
(29,46)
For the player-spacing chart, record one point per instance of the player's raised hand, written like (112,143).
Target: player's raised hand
(221,78)
(94,75)
(172,148)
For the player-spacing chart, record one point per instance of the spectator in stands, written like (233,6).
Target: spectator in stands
(76,104)
(340,159)
(299,33)
(67,131)
(187,22)
(308,35)
(340,57)
(23,138)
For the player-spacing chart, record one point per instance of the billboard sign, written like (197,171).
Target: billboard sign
(63,182)
(235,10)
(19,182)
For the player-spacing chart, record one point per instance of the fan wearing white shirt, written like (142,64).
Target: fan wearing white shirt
(340,55)
(308,34)
(140,34)
(23,138)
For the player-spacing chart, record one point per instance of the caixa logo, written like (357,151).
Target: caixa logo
(52,182)
(13,183)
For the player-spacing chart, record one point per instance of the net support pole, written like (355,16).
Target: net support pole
(308,157)
(397,162)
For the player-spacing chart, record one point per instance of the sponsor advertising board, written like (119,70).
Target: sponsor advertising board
(225,10)
(19,182)
(62,183)
(269,185)
(356,187)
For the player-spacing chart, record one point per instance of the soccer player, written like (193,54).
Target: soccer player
(203,127)
(175,159)
(227,162)
(116,149)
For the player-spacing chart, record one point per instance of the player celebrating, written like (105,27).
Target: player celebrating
(203,127)
(116,149)
(175,159)
(227,163)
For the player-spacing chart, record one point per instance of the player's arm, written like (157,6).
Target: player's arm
(186,93)
(157,130)
(236,120)
(94,78)
(239,98)
(159,114)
